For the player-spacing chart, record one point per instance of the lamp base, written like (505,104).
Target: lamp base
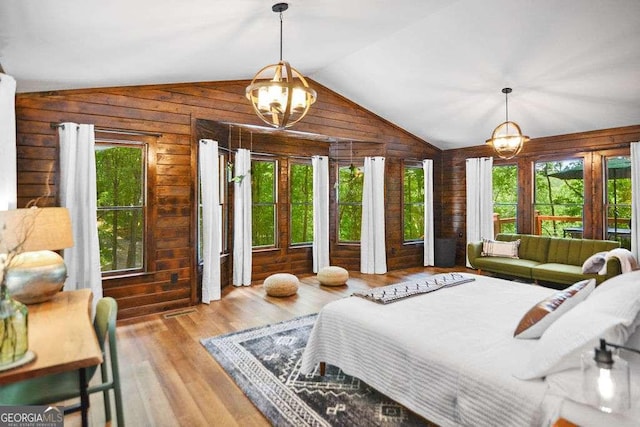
(35,277)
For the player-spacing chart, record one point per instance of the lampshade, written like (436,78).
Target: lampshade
(507,138)
(35,229)
(279,94)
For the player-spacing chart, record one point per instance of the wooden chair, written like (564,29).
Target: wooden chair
(59,387)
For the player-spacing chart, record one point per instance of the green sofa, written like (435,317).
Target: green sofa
(545,259)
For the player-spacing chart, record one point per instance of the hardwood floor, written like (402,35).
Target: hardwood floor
(169,379)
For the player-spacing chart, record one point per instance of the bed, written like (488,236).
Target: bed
(450,355)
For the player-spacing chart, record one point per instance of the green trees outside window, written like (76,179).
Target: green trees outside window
(413,198)
(559,198)
(350,183)
(505,198)
(263,199)
(301,199)
(120,179)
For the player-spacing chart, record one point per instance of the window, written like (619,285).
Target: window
(559,198)
(505,199)
(263,198)
(618,199)
(350,182)
(413,202)
(222,208)
(301,218)
(120,182)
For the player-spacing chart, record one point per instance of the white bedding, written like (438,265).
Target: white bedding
(447,355)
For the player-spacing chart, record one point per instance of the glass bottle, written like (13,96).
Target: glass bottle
(14,341)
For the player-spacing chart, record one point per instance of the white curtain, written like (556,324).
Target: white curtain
(635,199)
(479,199)
(320,212)
(210,192)
(373,257)
(429,238)
(242,238)
(78,194)
(8,172)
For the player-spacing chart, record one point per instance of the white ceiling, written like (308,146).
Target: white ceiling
(433,67)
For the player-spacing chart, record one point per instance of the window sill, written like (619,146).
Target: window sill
(126,275)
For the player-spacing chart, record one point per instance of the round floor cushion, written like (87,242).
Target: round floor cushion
(281,285)
(333,276)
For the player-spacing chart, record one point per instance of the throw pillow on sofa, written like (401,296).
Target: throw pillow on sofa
(500,249)
(544,313)
(594,263)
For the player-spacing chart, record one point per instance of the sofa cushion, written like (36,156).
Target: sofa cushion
(534,248)
(562,273)
(507,266)
(576,251)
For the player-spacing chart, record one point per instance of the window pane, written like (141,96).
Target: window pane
(263,198)
(350,182)
(262,181)
(350,185)
(413,185)
(301,220)
(349,222)
(505,198)
(120,198)
(263,226)
(618,175)
(301,224)
(414,222)
(120,236)
(559,198)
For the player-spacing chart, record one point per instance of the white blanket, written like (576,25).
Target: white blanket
(627,260)
(447,355)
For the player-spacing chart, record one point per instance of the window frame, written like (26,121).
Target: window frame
(144,148)
(586,205)
(274,203)
(412,165)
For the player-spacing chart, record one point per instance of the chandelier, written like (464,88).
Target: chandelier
(507,139)
(280,95)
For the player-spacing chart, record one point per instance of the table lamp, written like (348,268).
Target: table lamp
(35,273)
(605,378)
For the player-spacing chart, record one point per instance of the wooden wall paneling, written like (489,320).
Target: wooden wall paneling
(172,110)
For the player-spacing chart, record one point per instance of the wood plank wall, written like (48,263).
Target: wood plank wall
(172,111)
(591,145)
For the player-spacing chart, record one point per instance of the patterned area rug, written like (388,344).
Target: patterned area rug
(265,361)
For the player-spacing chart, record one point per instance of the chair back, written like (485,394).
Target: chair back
(106,313)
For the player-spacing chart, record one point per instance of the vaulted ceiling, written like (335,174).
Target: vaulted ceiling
(432,67)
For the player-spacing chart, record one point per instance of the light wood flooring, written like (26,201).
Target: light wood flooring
(169,379)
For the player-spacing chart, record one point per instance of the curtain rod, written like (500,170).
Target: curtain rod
(115,130)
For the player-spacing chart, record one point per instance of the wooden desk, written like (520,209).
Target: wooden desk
(61,335)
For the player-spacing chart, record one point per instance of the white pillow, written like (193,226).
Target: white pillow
(543,314)
(500,249)
(609,312)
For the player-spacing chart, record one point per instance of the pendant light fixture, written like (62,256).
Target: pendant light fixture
(280,95)
(507,139)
